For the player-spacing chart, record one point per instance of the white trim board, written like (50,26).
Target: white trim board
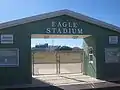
(59,13)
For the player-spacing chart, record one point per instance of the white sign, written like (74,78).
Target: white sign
(7,39)
(113,39)
(64,28)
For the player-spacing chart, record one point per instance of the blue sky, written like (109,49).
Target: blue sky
(105,10)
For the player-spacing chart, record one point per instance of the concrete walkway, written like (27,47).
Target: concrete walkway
(74,81)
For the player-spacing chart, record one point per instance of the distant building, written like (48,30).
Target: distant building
(44,47)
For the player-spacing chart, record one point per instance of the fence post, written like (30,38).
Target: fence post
(33,61)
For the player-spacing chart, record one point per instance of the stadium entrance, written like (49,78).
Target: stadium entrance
(101,47)
(57,58)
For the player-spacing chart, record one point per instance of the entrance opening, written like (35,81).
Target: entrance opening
(57,54)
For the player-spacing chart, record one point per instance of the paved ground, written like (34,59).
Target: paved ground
(74,81)
(51,68)
(66,82)
(67,79)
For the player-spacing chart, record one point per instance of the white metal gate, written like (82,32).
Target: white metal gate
(57,62)
(70,61)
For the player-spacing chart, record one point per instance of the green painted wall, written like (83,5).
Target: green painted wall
(106,70)
(22,40)
(21,74)
(89,68)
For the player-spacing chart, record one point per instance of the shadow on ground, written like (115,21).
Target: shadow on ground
(42,85)
(37,85)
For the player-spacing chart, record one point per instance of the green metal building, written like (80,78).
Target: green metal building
(101,44)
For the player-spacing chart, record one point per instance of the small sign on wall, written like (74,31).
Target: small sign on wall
(112,55)
(113,39)
(6,39)
(9,57)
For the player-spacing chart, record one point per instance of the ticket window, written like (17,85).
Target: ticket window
(90,52)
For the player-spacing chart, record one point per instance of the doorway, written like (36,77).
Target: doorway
(53,54)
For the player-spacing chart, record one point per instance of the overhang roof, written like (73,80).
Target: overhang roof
(58,36)
(59,13)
